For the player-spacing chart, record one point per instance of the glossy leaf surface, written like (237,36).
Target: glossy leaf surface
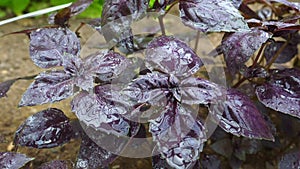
(240,46)
(238,115)
(92,156)
(5,86)
(211,16)
(49,45)
(181,150)
(99,112)
(281,92)
(116,9)
(12,160)
(105,65)
(289,51)
(48,88)
(290,160)
(45,129)
(173,56)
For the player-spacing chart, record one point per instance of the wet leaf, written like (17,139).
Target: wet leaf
(181,144)
(173,56)
(79,6)
(45,129)
(55,164)
(281,92)
(290,160)
(116,9)
(240,46)
(199,91)
(12,160)
(101,111)
(49,45)
(117,16)
(286,55)
(152,88)
(105,65)
(178,134)
(238,115)
(236,3)
(211,16)
(48,87)
(93,156)
(5,86)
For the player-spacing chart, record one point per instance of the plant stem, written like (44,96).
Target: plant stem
(197,41)
(276,55)
(239,82)
(259,54)
(162,26)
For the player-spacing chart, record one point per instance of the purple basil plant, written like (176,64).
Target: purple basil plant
(167,97)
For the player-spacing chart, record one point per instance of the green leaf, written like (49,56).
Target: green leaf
(5,3)
(59,2)
(94,10)
(151,3)
(18,6)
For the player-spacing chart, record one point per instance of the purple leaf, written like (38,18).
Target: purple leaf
(45,129)
(281,92)
(239,116)
(286,55)
(99,110)
(12,160)
(236,3)
(290,160)
(105,65)
(240,46)
(48,88)
(74,67)
(173,56)
(158,162)
(211,16)
(116,18)
(93,156)
(179,136)
(116,9)
(184,151)
(5,86)
(79,6)
(152,88)
(55,164)
(49,45)
(199,91)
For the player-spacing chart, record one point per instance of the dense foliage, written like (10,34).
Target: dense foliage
(167,89)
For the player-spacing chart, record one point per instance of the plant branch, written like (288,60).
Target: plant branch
(162,26)
(197,41)
(276,55)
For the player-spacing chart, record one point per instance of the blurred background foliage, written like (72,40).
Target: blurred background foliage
(10,8)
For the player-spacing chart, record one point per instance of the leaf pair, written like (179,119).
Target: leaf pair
(50,47)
